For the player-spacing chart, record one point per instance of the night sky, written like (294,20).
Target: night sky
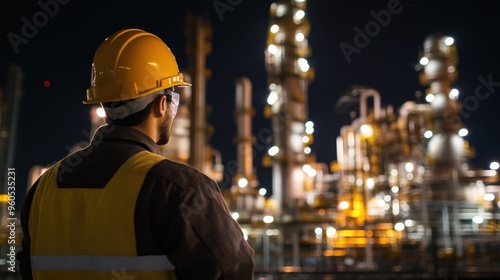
(61,51)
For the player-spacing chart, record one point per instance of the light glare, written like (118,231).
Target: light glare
(344,205)
(272,98)
(272,49)
(268,219)
(449,41)
(275,28)
(273,150)
(494,165)
(399,226)
(243,182)
(429,98)
(262,191)
(428,134)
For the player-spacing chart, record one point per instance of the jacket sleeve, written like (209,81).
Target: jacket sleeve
(222,234)
(24,255)
(208,242)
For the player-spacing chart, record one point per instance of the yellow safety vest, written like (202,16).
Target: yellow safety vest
(89,233)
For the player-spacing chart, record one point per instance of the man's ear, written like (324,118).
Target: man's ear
(160,106)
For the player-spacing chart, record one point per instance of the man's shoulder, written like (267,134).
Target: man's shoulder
(178,173)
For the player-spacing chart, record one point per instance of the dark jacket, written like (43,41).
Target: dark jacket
(179,211)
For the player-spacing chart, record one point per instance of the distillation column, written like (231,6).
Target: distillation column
(289,75)
(198,31)
(245,180)
(244,139)
(446,150)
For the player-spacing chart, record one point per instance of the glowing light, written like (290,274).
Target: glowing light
(387,198)
(280,10)
(272,49)
(272,98)
(370,183)
(409,223)
(359,182)
(494,165)
(305,139)
(306,168)
(395,189)
(309,124)
(303,64)
(366,130)
(46,83)
(298,16)
(424,60)
(453,93)
(273,151)
(272,86)
(330,232)
(318,231)
(307,150)
(262,191)
(394,172)
(449,41)
(429,98)
(489,197)
(274,28)
(409,167)
(463,132)
(344,205)
(477,219)
(309,130)
(242,182)
(299,37)
(268,219)
(428,134)
(380,202)
(235,215)
(100,112)
(399,226)
(312,172)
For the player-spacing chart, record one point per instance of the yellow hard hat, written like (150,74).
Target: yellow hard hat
(131,64)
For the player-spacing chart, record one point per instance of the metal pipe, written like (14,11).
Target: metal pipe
(376,103)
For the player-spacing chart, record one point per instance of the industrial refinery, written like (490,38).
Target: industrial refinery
(402,199)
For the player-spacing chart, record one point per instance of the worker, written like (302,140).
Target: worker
(117,209)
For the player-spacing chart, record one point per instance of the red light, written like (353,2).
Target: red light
(46,83)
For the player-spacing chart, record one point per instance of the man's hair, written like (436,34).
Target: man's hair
(132,119)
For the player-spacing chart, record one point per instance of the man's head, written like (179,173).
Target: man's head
(133,76)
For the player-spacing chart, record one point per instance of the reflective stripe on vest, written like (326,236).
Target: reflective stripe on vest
(89,233)
(100,263)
